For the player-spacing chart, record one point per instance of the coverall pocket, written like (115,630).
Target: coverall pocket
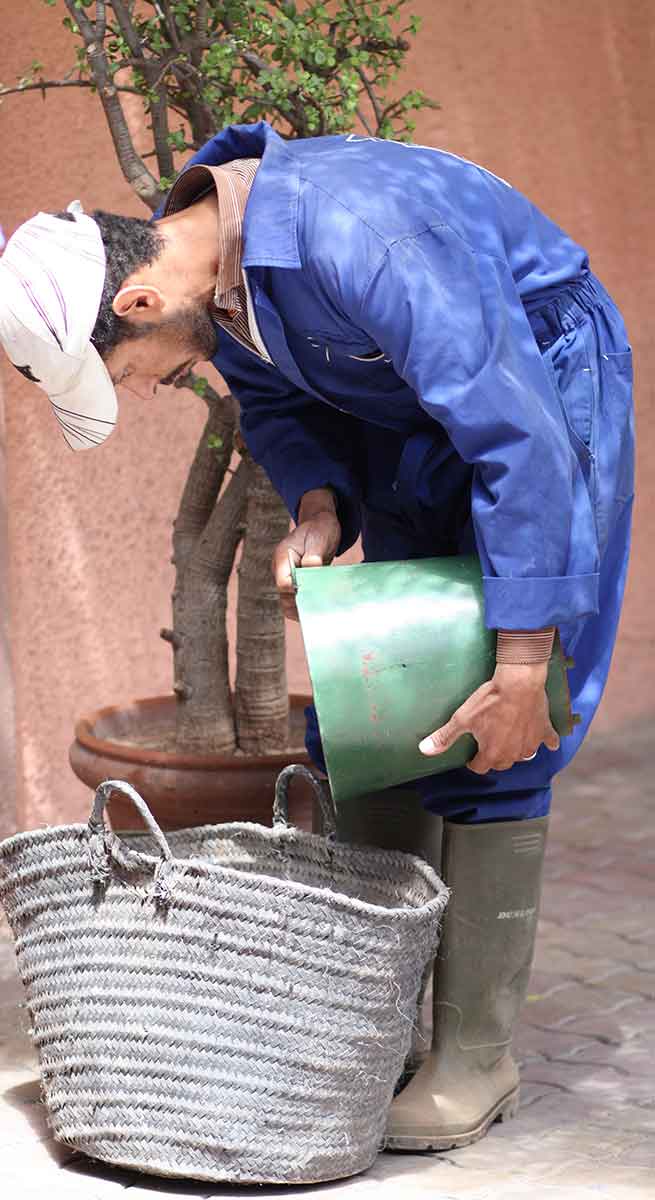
(366,352)
(576,384)
(615,442)
(570,366)
(616,414)
(595,392)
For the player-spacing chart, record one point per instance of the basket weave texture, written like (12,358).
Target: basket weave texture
(233,1003)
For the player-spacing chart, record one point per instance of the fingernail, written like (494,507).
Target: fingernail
(426,746)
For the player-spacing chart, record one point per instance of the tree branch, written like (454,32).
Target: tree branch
(101,20)
(133,167)
(127,29)
(364,121)
(43,84)
(153,76)
(201,18)
(171,25)
(375,103)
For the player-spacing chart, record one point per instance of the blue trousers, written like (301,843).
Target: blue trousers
(416,504)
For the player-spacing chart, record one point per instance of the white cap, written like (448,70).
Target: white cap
(52,274)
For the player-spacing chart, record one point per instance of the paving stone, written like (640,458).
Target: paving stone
(614,1027)
(632,1059)
(568,1004)
(556,962)
(569,902)
(534,1044)
(580,944)
(614,883)
(623,923)
(639,983)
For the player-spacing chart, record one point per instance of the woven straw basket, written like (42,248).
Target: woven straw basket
(230,1003)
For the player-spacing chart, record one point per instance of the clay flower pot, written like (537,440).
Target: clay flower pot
(181,790)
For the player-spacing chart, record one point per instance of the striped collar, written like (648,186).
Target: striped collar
(270,237)
(232,183)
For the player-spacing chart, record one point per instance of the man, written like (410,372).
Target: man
(420,355)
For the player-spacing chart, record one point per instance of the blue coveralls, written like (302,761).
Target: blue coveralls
(442,356)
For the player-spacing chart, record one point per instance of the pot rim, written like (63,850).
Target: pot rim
(168,759)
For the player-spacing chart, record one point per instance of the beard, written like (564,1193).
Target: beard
(190,328)
(201,331)
(193,330)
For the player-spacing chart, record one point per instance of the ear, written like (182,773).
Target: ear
(138,300)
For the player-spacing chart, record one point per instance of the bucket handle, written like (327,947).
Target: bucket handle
(104,844)
(321,791)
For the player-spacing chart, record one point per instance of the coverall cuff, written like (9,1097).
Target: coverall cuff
(346,495)
(530,603)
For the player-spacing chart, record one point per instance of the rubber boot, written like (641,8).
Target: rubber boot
(396,820)
(469,1078)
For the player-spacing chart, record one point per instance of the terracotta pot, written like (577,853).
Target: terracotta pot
(184,789)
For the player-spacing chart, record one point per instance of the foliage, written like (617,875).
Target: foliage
(199,65)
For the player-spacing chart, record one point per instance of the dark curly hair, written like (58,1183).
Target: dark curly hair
(130,243)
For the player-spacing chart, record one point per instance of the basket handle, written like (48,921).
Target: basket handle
(103,843)
(321,791)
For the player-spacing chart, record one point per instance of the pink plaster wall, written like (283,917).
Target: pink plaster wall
(556,97)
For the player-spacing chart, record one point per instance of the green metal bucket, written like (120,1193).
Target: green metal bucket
(394,649)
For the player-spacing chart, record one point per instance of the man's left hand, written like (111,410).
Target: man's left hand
(508,717)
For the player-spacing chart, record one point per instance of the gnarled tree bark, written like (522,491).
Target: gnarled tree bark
(206,533)
(205,719)
(262,702)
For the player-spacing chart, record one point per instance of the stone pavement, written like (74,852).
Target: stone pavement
(586,1041)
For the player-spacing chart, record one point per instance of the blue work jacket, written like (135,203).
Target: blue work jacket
(388,284)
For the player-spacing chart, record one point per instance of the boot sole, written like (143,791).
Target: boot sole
(503,1111)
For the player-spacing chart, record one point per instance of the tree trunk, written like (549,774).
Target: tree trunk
(205,719)
(262,702)
(205,477)
(202,570)
(207,533)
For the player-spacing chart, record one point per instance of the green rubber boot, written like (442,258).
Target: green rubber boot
(396,820)
(469,1078)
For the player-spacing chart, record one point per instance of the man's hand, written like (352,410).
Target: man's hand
(508,717)
(313,543)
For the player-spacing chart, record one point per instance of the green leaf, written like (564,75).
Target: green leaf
(293,64)
(177,140)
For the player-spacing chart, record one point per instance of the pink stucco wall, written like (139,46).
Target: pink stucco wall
(556,97)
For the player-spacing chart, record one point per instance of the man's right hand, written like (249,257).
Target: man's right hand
(313,543)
